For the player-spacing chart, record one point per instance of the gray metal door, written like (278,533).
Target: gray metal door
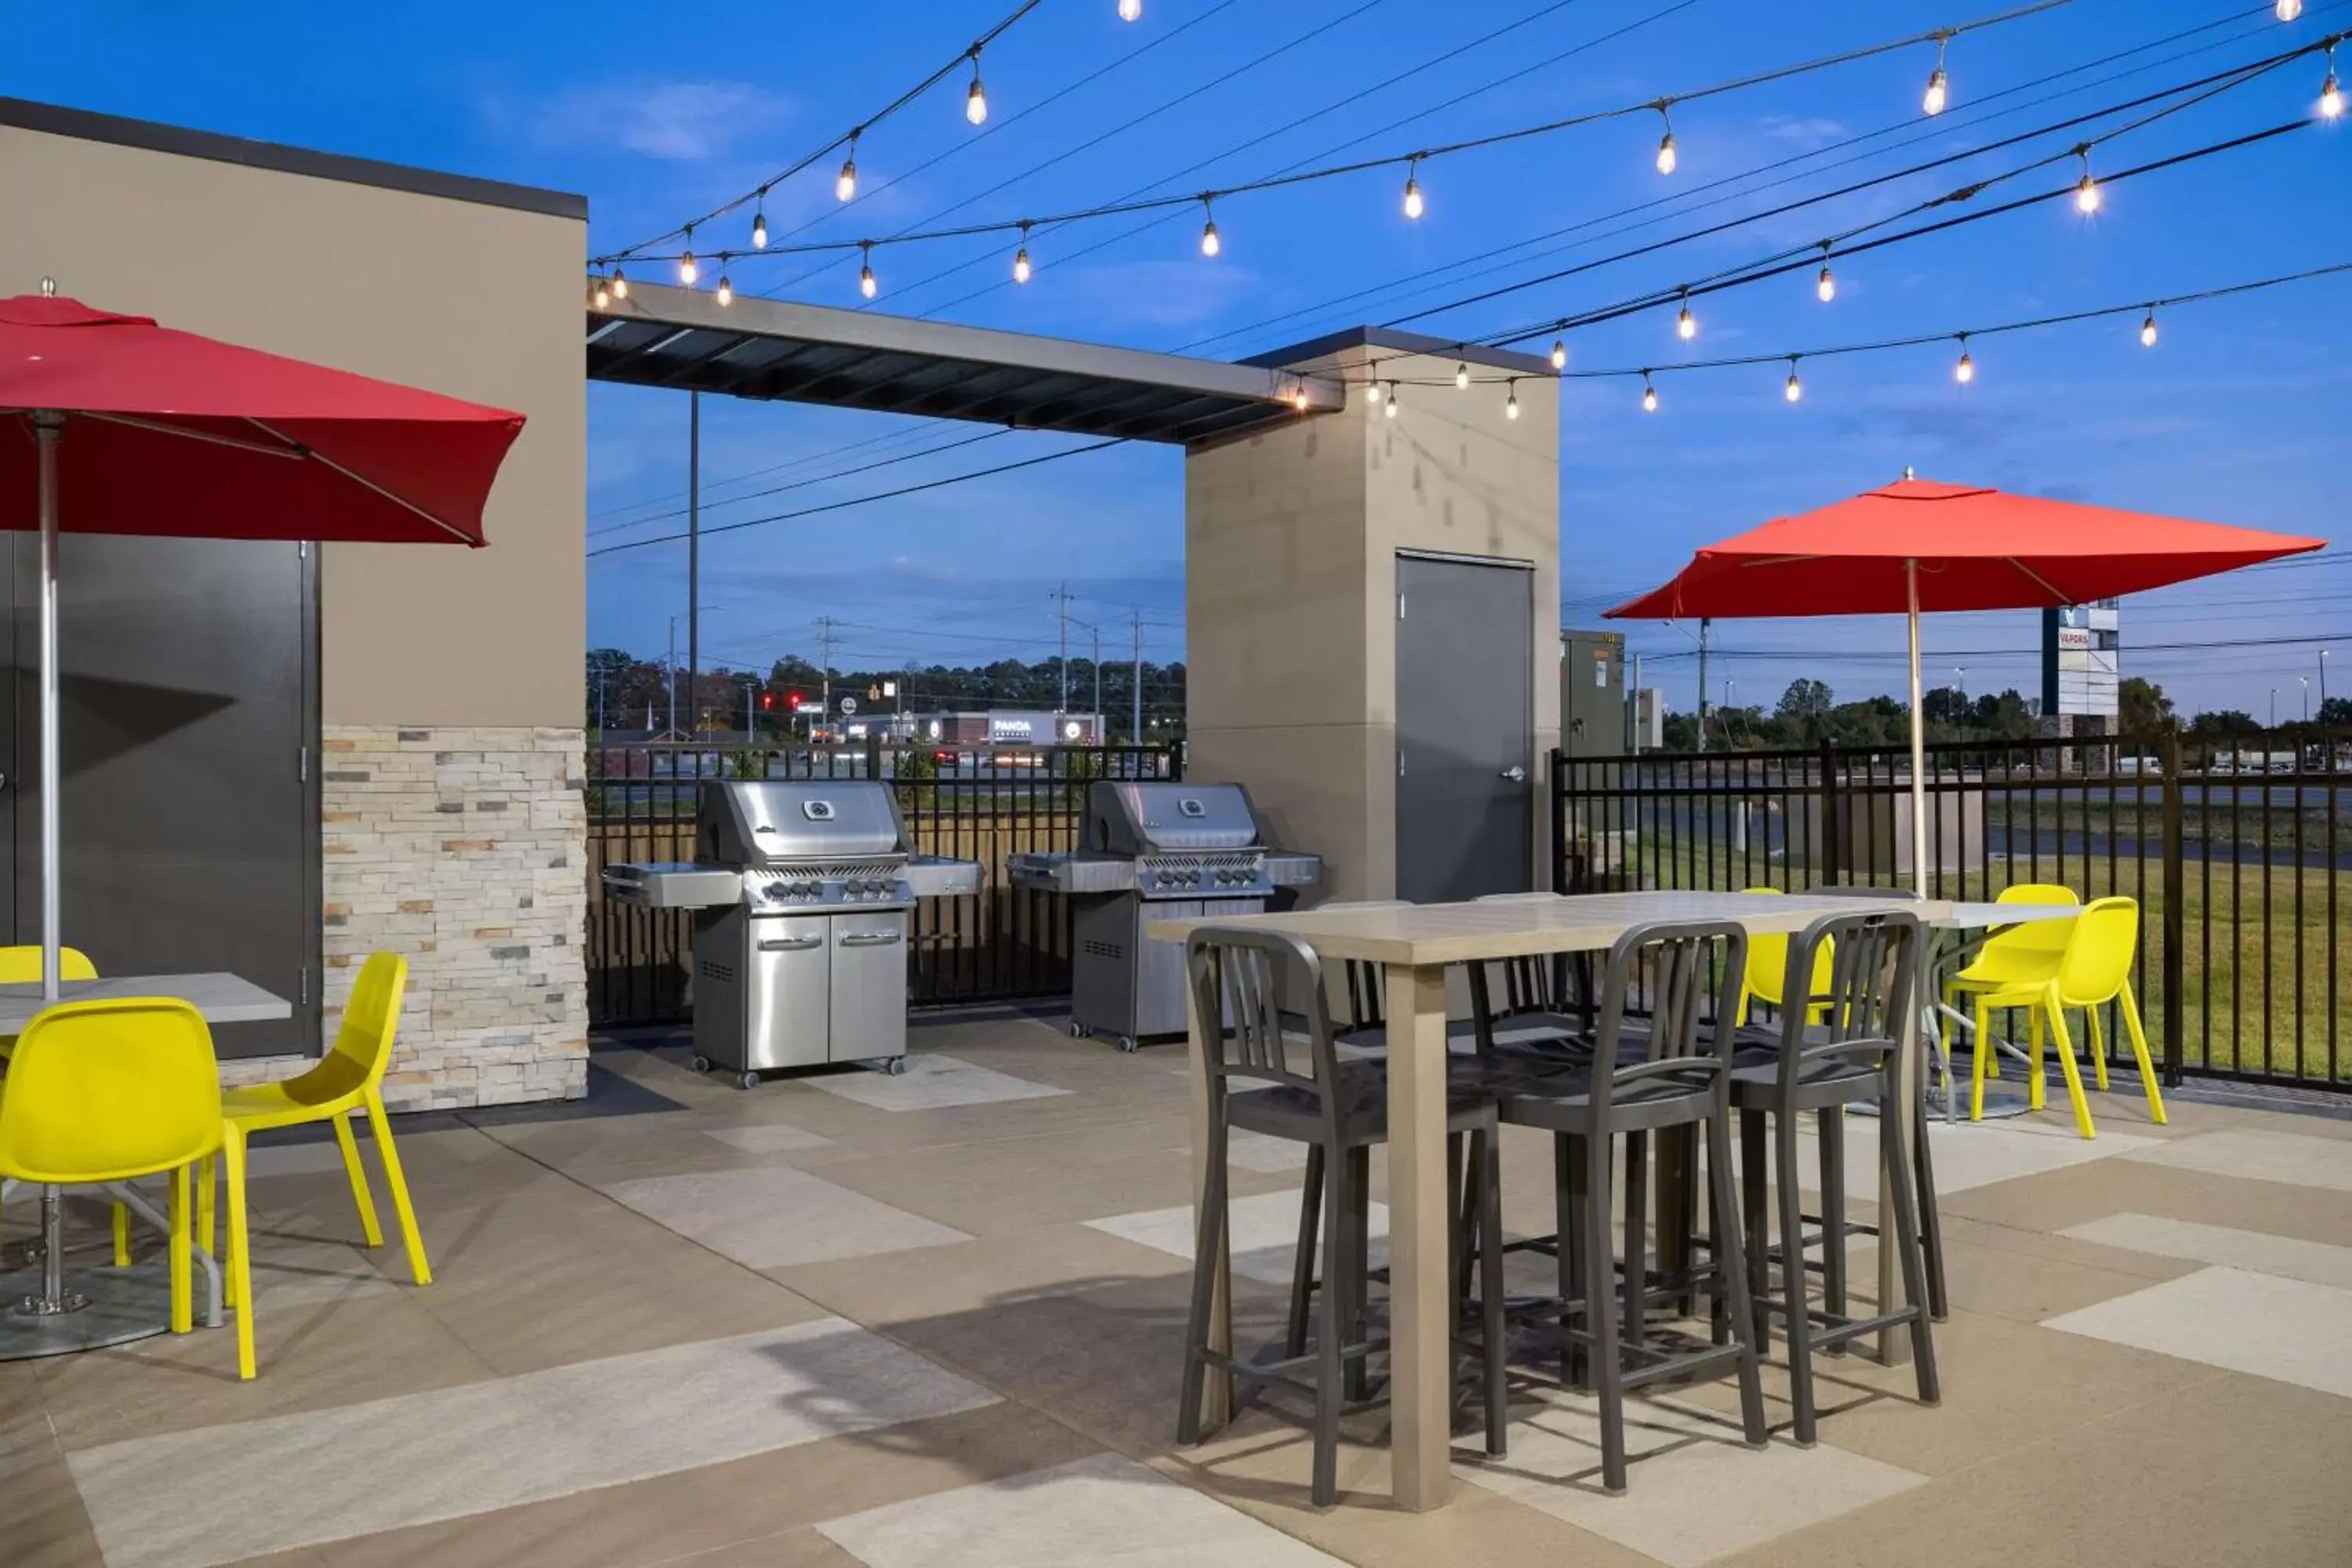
(189,724)
(1465,728)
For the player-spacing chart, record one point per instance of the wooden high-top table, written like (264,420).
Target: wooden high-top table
(1417,943)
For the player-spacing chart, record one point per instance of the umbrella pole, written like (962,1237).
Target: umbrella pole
(48,429)
(1918,743)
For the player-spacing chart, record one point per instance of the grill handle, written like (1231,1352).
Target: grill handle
(869,938)
(790,944)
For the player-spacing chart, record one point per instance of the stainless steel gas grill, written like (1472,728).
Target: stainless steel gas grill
(1154,851)
(801,893)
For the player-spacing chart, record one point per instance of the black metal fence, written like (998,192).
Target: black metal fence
(2239,851)
(980,804)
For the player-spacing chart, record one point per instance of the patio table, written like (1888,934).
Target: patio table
(124,1305)
(1417,943)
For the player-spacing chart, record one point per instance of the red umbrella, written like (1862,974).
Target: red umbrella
(1916,545)
(110,424)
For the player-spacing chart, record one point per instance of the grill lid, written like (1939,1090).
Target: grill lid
(753,822)
(1134,817)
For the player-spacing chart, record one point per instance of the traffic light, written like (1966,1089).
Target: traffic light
(795,698)
(767,700)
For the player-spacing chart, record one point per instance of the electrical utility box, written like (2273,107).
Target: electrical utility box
(1593,721)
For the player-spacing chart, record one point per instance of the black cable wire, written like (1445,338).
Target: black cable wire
(799,484)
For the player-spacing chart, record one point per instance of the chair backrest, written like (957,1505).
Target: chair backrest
(102,1092)
(1680,966)
(1366,1009)
(22,966)
(362,1047)
(1243,976)
(1767,962)
(2099,958)
(2045,939)
(1865,1001)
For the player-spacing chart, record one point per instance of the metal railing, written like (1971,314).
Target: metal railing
(2238,849)
(972,803)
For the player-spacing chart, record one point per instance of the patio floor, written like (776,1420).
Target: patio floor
(936,1320)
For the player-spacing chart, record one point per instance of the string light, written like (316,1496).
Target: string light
(1939,86)
(1511,401)
(1461,377)
(620,284)
(1559,354)
(2086,190)
(2287,10)
(976,102)
(1666,159)
(2148,330)
(1020,256)
(1685,324)
(760,224)
(845,185)
(1389,410)
(1299,397)
(1965,370)
(726,291)
(1210,243)
(604,295)
(687,270)
(1372,391)
(1649,395)
(866,284)
(1412,203)
(1795,390)
(1131,10)
(2331,97)
(1825,286)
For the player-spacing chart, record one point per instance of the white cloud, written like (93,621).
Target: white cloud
(682,122)
(1809,131)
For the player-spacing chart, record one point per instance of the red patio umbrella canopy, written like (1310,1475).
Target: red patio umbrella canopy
(1976,550)
(169,433)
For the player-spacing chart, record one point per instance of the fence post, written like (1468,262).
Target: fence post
(1560,880)
(1833,839)
(2176,921)
(873,755)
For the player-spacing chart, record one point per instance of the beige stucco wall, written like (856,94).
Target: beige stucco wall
(1290,546)
(478,301)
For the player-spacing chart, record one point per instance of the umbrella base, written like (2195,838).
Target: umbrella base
(119,1305)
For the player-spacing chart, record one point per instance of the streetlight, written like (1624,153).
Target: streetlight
(2274,724)
(2306,696)
(2323,683)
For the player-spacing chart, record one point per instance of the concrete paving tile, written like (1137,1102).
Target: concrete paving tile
(1000,1185)
(2054,1202)
(2257,1252)
(972,1275)
(2265,1324)
(933,1082)
(768,1216)
(766,1138)
(2261,1155)
(1264,1239)
(42,1523)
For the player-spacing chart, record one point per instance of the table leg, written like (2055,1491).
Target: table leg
(1895,1132)
(1419,1303)
(1217,1399)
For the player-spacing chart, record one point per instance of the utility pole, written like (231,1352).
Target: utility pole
(669,675)
(1704,623)
(1730,686)
(1097,737)
(1062,608)
(824,636)
(751,708)
(1134,722)
(2274,724)
(2323,683)
(1633,725)
(693,560)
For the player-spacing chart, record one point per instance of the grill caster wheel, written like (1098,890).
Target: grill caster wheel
(897,1066)
(1127,1044)
(700,1064)
(1078,1031)
(746,1080)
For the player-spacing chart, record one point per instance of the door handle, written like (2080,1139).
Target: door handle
(869,938)
(1515,775)
(790,944)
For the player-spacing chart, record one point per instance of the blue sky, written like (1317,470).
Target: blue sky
(2236,416)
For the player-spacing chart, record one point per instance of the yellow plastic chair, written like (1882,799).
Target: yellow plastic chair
(1767,975)
(107,1091)
(22,966)
(2094,969)
(2023,955)
(348,1078)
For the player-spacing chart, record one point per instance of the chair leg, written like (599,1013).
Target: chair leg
(183,1244)
(1636,1299)
(208,1212)
(240,1250)
(2139,1052)
(1729,1260)
(2066,1048)
(1915,1285)
(1609,1368)
(361,1198)
(1302,1263)
(1329,1361)
(1486,1177)
(1207,1244)
(1792,1279)
(1573,1272)
(122,1236)
(419,1269)
(1356,1263)
(2037,1080)
(1832,1147)
(2099,1033)
(1931,1225)
(1982,1062)
(1752,1220)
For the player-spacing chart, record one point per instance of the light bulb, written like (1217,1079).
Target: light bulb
(620,284)
(760,230)
(1210,243)
(1021,264)
(976,102)
(1559,354)
(1649,396)
(1461,376)
(1389,411)
(1686,325)
(2287,10)
(1372,391)
(845,185)
(1965,370)
(1938,92)
(1511,404)
(1131,10)
(603,293)
(866,284)
(687,270)
(1666,159)
(1825,286)
(1299,397)
(2147,330)
(726,291)
(2331,99)
(1413,202)
(2086,192)
(1795,390)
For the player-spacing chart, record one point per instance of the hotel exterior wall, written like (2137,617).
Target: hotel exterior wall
(477,649)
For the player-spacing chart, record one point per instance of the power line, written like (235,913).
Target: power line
(799,484)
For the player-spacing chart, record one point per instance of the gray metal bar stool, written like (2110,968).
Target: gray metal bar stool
(1339,1109)
(1822,1069)
(1673,1073)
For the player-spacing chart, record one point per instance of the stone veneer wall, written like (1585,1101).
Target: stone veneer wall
(464,849)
